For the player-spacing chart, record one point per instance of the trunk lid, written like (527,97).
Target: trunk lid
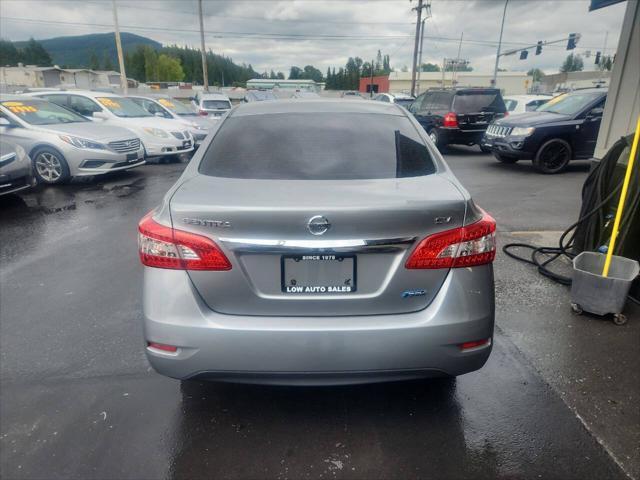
(262,227)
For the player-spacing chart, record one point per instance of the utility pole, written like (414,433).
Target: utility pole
(420,57)
(371,81)
(205,73)
(415,46)
(495,69)
(454,80)
(123,75)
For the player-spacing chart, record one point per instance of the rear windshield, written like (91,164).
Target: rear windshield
(216,104)
(476,102)
(317,146)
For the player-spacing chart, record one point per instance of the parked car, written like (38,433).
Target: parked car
(331,245)
(459,115)
(401,99)
(259,96)
(524,103)
(159,136)
(213,105)
(16,172)
(63,144)
(166,107)
(563,129)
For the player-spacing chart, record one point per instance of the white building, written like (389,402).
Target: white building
(275,84)
(31,76)
(511,83)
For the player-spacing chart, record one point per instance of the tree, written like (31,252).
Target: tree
(169,69)
(312,73)
(94,63)
(107,63)
(280,76)
(430,67)
(35,54)
(607,63)
(295,73)
(9,54)
(573,63)
(536,73)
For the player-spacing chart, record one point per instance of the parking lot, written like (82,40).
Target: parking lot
(557,399)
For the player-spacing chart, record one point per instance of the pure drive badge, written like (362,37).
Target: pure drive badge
(207,223)
(414,293)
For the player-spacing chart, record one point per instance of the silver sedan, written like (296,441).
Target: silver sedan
(63,144)
(317,242)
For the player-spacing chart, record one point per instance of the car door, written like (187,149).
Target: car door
(586,133)
(421,110)
(84,106)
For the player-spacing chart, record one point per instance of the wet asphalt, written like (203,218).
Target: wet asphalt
(78,399)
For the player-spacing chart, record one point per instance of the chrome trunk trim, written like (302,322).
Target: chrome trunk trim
(287,246)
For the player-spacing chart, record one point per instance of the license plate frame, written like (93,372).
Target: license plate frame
(318,258)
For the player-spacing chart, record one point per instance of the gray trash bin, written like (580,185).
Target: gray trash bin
(593,293)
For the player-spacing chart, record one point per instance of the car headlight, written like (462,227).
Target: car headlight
(156,132)
(82,142)
(522,131)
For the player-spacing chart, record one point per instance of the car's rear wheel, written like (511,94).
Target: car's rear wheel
(436,138)
(504,159)
(50,166)
(553,156)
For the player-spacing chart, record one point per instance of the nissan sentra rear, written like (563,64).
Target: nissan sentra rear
(317,242)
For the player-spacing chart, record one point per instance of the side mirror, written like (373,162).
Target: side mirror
(100,116)
(595,113)
(6,123)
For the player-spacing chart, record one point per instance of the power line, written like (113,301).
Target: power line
(274,36)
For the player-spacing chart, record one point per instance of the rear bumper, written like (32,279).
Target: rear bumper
(460,137)
(318,350)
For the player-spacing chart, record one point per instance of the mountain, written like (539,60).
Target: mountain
(76,51)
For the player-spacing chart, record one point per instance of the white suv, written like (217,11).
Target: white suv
(159,136)
(214,105)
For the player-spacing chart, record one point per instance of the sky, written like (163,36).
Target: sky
(278,34)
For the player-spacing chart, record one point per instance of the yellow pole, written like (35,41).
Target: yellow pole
(623,197)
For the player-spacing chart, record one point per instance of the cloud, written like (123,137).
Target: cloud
(325,33)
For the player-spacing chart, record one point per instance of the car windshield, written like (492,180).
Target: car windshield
(40,112)
(510,104)
(404,102)
(319,146)
(476,102)
(569,103)
(216,104)
(123,107)
(176,106)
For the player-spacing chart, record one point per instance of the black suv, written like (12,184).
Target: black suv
(459,115)
(564,128)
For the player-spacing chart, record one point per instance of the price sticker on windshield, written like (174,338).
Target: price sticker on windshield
(19,107)
(166,103)
(108,102)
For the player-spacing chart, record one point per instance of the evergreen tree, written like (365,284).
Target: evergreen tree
(35,54)
(573,63)
(94,63)
(9,54)
(107,63)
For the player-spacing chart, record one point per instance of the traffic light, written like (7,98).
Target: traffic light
(573,39)
(539,48)
(597,62)
(524,54)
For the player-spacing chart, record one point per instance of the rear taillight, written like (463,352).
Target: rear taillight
(165,247)
(204,113)
(467,246)
(450,120)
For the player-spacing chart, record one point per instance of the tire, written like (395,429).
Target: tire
(484,149)
(504,159)
(50,166)
(436,138)
(552,157)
